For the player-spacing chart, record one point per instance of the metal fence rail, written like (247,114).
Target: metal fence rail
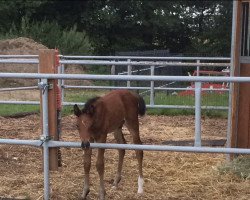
(121,61)
(124,77)
(123,57)
(39,143)
(105,62)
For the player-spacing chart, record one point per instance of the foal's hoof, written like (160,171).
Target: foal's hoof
(102,195)
(114,187)
(116,182)
(85,194)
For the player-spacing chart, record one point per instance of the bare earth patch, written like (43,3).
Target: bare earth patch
(168,175)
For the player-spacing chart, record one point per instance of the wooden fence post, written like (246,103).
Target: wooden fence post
(47,64)
(240,128)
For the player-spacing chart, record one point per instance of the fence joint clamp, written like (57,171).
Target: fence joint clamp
(44,138)
(43,86)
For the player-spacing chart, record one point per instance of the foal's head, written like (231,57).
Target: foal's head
(86,120)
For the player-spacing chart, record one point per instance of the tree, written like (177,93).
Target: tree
(210,23)
(134,25)
(180,26)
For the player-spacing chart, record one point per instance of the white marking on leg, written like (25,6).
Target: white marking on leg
(140,185)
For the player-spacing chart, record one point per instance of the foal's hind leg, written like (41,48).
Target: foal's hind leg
(120,140)
(133,127)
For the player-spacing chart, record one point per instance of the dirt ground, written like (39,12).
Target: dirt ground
(168,175)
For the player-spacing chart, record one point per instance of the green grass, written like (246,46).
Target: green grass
(7,110)
(240,166)
(162,98)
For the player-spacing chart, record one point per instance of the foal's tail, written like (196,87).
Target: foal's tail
(141,106)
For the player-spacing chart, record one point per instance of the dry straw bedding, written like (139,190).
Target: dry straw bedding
(168,175)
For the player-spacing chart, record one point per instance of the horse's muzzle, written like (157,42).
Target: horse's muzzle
(85,145)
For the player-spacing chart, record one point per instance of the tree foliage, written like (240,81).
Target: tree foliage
(181,26)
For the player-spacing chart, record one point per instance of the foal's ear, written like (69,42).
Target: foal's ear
(91,110)
(77,110)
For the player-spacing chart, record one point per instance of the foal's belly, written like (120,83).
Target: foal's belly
(116,124)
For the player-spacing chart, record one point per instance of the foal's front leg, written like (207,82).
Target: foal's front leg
(100,169)
(87,166)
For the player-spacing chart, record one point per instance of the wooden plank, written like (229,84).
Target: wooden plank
(243,109)
(47,65)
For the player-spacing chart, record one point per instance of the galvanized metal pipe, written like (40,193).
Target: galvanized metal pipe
(62,83)
(152,87)
(125,77)
(139,88)
(104,62)
(19,61)
(45,136)
(129,68)
(122,57)
(197,141)
(52,143)
(18,56)
(147,58)
(198,68)
(36,143)
(140,63)
(153,147)
(20,102)
(18,88)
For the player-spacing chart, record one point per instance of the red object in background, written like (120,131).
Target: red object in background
(58,89)
(207,85)
(57,59)
(58,98)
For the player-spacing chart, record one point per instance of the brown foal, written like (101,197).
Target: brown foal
(102,115)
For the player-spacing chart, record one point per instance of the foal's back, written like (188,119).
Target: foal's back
(120,105)
(121,100)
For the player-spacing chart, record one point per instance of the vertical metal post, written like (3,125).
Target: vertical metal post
(229,117)
(197,141)
(198,68)
(112,72)
(62,83)
(45,139)
(129,72)
(152,87)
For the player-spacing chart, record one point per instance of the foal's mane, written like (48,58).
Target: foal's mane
(88,105)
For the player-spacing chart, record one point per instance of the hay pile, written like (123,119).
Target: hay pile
(168,175)
(27,46)
(19,46)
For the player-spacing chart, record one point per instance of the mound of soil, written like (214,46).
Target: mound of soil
(27,46)
(19,46)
